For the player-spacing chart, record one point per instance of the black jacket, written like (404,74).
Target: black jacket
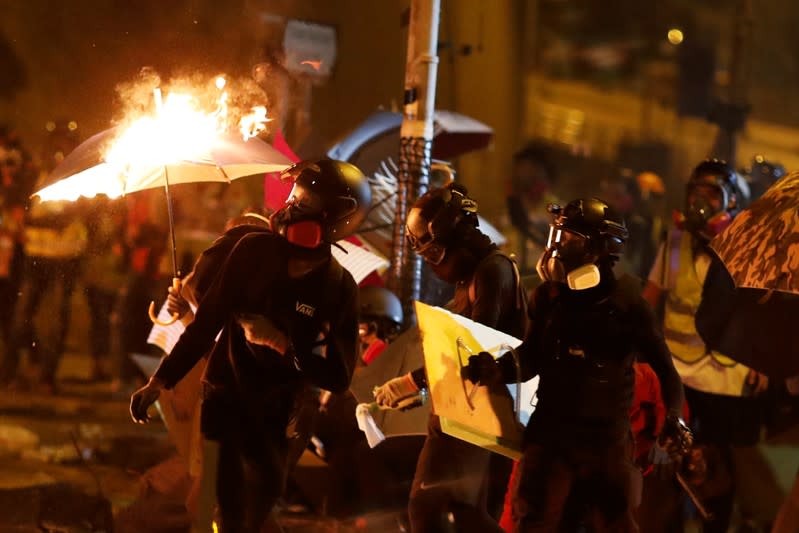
(254,279)
(583,344)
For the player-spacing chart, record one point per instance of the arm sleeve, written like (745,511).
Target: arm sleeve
(655,351)
(494,290)
(537,309)
(656,273)
(215,309)
(419,377)
(333,370)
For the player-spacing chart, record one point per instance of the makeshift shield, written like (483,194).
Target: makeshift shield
(492,417)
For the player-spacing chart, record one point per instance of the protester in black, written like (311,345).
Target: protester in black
(451,474)
(288,315)
(586,328)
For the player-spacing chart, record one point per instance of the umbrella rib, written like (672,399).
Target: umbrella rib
(222,170)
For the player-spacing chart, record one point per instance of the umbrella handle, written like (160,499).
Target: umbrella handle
(154,317)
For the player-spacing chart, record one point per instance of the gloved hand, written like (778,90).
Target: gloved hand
(142,399)
(393,391)
(175,303)
(260,330)
(676,438)
(694,466)
(755,384)
(482,368)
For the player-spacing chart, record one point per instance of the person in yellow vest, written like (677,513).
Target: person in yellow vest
(721,393)
(55,241)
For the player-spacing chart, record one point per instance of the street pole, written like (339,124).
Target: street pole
(416,140)
(731,115)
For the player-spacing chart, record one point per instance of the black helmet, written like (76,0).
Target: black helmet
(329,201)
(583,234)
(431,223)
(379,303)
(714,195)
(763,175)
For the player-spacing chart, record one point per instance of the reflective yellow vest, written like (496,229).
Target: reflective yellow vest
(68,243)
(682,301)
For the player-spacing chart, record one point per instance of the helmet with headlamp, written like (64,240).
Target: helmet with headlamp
(583,235)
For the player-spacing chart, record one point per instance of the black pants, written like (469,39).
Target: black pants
(451,477)
(558,483)
(101,306)
(134,323)
(253,455)
(9,290)
(42,274)
(722,423)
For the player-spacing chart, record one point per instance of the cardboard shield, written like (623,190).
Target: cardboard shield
(490,417)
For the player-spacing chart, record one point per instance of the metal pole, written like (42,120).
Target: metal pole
(416,139)
(175,272)
(735,110)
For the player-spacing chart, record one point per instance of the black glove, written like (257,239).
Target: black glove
(482,368)
(676,438)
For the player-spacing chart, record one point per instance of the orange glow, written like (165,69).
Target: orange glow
(180,129)
(314,64)
(254,123)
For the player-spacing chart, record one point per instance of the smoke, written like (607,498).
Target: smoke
(241,94)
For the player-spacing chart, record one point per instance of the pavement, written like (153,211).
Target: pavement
(74,462)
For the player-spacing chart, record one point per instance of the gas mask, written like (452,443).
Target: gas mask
(299,220)
(566,259)
(708,210)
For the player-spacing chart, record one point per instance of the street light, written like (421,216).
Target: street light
(675,36)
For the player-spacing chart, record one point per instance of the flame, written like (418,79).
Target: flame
(179,129)
(178,132)
(254,123)
(314,64)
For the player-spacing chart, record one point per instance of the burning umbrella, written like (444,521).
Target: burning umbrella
(751,294)
(180,143)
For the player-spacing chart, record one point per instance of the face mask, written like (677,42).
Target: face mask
(456,266)
(294,223)
(583,277)
(696,223)
(564,261)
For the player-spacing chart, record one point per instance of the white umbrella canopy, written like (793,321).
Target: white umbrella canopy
(86,171)
(116,163)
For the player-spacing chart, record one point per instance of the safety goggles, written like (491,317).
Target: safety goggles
(706,196)
(430,250)
(566,242)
